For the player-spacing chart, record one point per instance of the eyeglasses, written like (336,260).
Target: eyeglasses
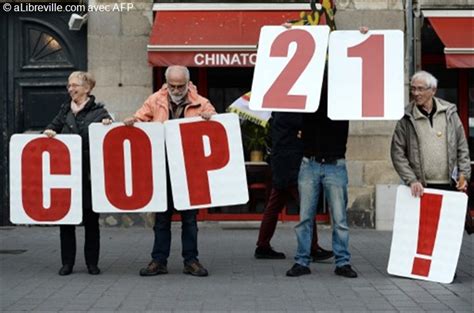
(179,87)
(73,85)
(419,89)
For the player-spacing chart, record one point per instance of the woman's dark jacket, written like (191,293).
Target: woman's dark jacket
(287,148)
(66,122)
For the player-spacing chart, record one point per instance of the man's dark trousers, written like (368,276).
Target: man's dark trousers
(162,230)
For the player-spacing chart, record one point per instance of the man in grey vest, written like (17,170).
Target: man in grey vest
(429,147)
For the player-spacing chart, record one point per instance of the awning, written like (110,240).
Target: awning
(456,31)
(213,35)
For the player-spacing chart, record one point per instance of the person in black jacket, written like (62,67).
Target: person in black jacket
(285,160)
(74,117)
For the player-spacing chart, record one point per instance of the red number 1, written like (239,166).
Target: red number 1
(372,74)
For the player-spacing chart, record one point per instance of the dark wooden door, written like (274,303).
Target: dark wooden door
(38,54)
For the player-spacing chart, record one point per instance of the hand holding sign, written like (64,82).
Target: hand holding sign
(289,70)
(128,169)
(206,162)
(45,179)
(365,72)
(427,234)
(366,75)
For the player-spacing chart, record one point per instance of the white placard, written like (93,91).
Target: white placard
(45,179)
(366,74)
(128,169)
(420,257)
(289,70)
(206,162)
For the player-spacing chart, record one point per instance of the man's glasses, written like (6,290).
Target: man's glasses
(419,89)
(178,87)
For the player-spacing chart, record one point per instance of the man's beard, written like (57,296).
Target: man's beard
(179,98)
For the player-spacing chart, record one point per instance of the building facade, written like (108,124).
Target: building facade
(118,48)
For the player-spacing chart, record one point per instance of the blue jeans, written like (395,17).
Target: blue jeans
(333,178)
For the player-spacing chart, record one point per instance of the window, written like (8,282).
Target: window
(226,84)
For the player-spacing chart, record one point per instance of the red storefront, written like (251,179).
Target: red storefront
(447,46)
(218,43)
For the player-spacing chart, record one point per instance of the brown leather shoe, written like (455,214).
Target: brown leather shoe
(195,268)
(154,268)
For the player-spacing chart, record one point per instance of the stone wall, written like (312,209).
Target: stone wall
(117,56)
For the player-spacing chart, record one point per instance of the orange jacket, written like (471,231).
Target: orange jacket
(156,107)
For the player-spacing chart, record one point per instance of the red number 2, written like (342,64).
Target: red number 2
(372,74)
(277,95)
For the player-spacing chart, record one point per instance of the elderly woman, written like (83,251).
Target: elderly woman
(74,117)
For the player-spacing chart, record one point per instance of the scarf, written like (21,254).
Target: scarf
(76,108)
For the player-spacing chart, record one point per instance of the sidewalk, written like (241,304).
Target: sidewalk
(237,281)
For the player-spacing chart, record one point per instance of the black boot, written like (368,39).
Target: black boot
(268,253)
(66,269)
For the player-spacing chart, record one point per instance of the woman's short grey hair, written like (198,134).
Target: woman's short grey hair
(177,68)
(85,77)
(426,77)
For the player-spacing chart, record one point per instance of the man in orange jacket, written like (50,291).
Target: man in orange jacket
(178,98)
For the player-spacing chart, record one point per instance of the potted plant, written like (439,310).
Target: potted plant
(254,140)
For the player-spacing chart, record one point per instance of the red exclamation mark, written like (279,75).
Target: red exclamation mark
(430,209)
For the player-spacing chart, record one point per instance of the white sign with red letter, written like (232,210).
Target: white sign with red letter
(128,169)
(45,179)
(427,234)
(206,162)
(366,75)
(289,70)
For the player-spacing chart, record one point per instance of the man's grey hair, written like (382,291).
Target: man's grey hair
(426,77)
(177,68)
